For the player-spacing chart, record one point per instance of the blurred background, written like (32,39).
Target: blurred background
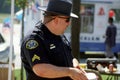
(91,26)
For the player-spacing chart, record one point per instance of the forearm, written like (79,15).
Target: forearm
(51,71)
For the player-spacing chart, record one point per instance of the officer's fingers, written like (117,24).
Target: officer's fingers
(82,70)
(83,75)
(77,74)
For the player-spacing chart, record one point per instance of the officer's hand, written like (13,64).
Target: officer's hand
(76,64)
(77,74)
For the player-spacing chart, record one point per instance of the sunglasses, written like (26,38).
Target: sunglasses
(67,19)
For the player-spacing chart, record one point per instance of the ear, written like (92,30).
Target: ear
(56,20)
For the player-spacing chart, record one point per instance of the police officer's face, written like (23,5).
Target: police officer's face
(62,24)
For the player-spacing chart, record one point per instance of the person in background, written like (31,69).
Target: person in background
(45,52)
(110,41)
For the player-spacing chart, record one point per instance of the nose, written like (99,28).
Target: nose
(68,23)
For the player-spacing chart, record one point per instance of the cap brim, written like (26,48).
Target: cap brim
(44,9)
(73,15)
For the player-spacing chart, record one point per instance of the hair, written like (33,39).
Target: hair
(47,13)
(48,16)
(110,20)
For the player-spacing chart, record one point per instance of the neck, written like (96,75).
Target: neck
(51,27)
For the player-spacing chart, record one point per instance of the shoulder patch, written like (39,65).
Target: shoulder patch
(31,44)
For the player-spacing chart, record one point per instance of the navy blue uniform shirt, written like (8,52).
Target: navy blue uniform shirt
(41,46)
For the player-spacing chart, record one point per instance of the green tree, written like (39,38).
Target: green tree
(22,4)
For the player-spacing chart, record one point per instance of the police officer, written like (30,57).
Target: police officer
(45,52)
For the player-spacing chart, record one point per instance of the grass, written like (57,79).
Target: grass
(104,77)
(17,74)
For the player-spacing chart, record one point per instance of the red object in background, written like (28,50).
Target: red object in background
(111,13)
